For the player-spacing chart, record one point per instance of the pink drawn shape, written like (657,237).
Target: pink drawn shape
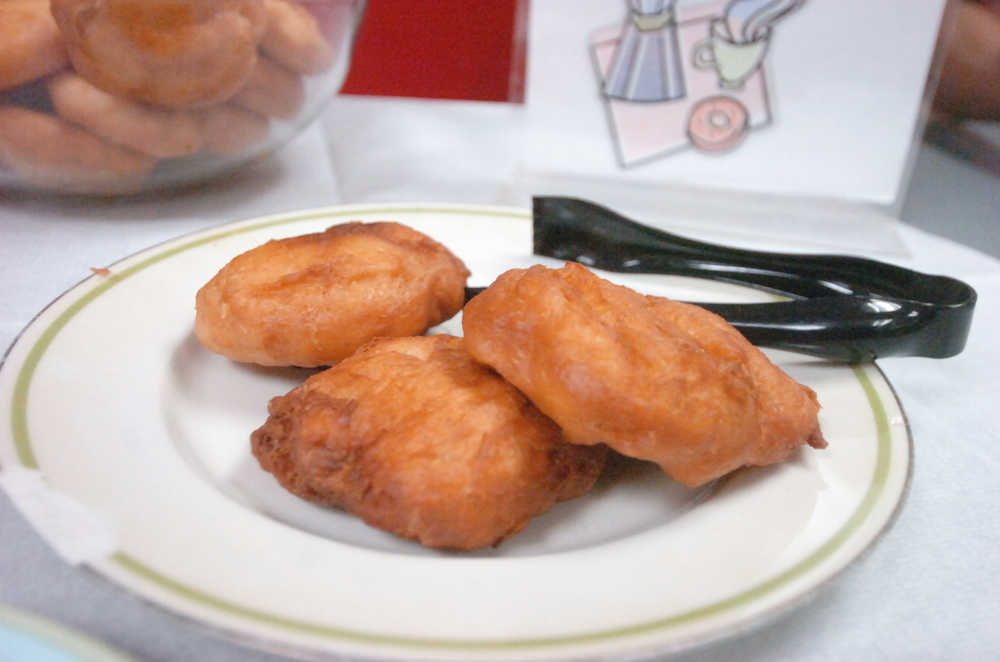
(717,124)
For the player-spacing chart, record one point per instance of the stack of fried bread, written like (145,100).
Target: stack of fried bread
(458,442)
(95,94)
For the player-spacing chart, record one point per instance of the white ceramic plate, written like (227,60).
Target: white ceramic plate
(111,398)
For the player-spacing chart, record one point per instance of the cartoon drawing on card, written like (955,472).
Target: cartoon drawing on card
(674,79)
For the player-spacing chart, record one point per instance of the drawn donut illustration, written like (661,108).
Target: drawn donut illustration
(717,124)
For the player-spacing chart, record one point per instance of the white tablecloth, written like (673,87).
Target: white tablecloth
(926,591)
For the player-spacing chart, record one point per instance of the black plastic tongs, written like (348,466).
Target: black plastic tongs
(840,308)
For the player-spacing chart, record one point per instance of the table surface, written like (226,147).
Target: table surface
(923,592)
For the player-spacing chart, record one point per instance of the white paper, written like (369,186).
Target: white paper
(843,89)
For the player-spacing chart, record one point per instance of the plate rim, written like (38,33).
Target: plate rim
(59,636)
(79,296)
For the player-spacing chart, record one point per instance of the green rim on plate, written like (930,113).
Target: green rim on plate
(27,457)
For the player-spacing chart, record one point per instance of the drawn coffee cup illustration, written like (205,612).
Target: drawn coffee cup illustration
(732,60)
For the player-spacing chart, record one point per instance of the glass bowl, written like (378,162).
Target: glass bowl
(111,97)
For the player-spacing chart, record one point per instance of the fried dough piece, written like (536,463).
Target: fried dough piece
(294,38)
(155,131)
(416,438)
(170,53)
(46,150)
(654,379)
(228,130)
(30,44)
(312,300)
(272,91)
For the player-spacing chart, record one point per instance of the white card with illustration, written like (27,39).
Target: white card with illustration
(668,86)
(804,100)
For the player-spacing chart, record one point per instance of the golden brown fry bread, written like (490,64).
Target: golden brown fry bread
(652,378)
(416,438)
(312,300)
(155,131)
(228,130)
(171,53)
(46,150)
(272,90)
(30,45)
(293,38)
